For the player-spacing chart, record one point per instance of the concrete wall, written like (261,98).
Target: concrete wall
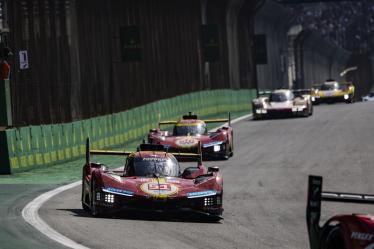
(296,57)
(320,61)
(274,21)
(76,70)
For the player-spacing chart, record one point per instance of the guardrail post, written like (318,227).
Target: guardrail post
(5,104)
(4,153)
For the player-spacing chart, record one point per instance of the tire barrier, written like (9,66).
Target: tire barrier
(25,148)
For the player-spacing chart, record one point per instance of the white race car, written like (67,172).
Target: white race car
(369,97)
(283,102)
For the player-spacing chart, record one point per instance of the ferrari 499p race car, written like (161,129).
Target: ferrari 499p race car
(283,102)
(332,91)
(350,231)
(189,131)
(151,180)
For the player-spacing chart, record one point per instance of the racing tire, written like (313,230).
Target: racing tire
(95,212)
(232,145)
(227,155)
(334,239)
(84,196)
(350,100)
(85,207)
(311,109)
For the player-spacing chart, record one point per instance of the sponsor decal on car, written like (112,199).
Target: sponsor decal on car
(212,144)
(201,194)
(186,142)
(160,188)
(118,191)
(362,236)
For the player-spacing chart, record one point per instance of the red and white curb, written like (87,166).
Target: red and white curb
(30,212)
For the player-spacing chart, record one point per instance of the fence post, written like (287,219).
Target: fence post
(4,153)
(5,104)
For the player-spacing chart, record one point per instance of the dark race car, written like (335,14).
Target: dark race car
(151,180)
(348,231)
(189,131)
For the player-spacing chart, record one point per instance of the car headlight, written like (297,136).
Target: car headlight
(313,98)
(346,96)
(217,143)
(216,148)
(256,102)
(109,198)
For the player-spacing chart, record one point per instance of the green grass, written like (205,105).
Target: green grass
(72,171)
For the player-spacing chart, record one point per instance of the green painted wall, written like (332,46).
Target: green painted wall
(44,145)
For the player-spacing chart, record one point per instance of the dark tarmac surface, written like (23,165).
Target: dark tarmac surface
(265,186)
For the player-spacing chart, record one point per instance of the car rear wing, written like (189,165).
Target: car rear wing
(346,86)
(315,198)
(264,93)
(300,92)
(143,147)
(219,120)
(193,116)
(90,152)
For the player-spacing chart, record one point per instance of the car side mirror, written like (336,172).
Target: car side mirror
(213,169)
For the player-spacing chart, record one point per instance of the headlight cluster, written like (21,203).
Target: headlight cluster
(216,148)
(109,198)
(98,196)
(208,201)
(212,201)
(298,109)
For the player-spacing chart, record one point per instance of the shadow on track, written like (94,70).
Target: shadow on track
(186,217)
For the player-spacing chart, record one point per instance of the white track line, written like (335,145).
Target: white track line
(31,215)
(30,212)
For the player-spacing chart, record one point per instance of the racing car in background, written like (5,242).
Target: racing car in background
(331,91)
(189,131)
(151,180)
(368,97)
(349,231)
(282,102)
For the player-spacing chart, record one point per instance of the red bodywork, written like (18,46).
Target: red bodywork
(358,230)
(222,137)
(197,189)
(355,231)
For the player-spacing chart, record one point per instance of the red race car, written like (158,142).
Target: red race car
(189,131)
(352,231)
(151,180)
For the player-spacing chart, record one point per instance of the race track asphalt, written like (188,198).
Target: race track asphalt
(265,186)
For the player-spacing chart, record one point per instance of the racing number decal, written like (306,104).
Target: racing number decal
(162,186)
(159,188)
(186,142)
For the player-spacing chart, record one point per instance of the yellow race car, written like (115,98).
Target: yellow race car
(331,91)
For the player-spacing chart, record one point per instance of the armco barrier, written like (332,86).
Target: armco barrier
(29,147)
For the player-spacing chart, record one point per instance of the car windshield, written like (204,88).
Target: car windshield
(184,130)
(371,95)
(328,87)
(151,166)
(280,97)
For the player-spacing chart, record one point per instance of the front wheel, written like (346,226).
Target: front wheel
(94,210)
(311,110)
(334,239)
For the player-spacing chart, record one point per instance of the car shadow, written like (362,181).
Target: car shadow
(185,217)
(278,117)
